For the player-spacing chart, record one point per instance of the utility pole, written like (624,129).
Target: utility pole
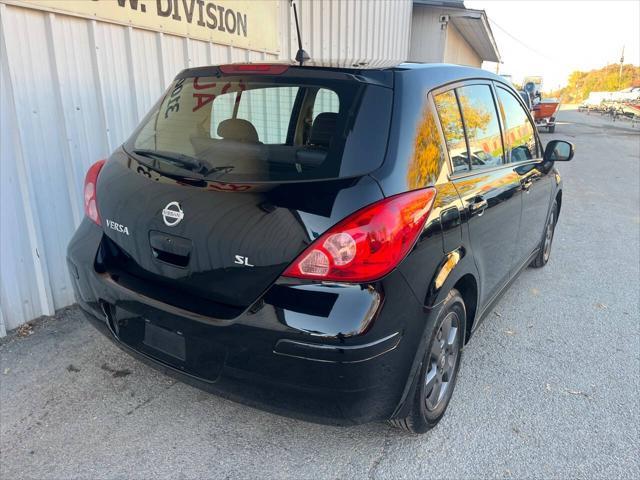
(620,73)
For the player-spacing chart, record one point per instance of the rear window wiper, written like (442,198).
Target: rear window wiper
(185,162)
(177,159)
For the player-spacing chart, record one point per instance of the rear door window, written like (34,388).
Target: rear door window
(451,121)
(481,125)
(519,134)
(252,129)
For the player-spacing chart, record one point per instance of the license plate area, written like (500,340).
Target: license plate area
(165,341)
(172,342)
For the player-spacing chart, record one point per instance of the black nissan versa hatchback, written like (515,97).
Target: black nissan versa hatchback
(320,242)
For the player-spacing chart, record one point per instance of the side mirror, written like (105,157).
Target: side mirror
(558,151)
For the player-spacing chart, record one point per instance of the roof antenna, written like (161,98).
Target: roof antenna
(301,55)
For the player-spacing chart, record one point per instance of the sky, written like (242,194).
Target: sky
(552,38)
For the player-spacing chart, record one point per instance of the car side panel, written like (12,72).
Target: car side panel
(536,177)
(493,231)
(537,185)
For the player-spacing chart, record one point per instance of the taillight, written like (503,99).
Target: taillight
(265,68)
(368,244)
(90,199)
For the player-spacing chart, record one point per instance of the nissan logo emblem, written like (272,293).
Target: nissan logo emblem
(172,214)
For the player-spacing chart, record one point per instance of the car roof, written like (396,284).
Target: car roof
(451,72)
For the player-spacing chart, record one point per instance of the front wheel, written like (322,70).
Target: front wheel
(544,252)
(439,370)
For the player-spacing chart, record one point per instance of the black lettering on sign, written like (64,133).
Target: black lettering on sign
(242,23)
(211,13)
(166,11)
(221,22)
(230,24)
(176,11)
(188,10)
(132,3)
(201,12)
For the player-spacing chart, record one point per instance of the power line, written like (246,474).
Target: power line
(522,43)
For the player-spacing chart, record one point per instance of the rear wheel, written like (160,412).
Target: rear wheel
(544,251)
(439,370)
(552,128)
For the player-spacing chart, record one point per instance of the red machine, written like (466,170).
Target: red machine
(545,112)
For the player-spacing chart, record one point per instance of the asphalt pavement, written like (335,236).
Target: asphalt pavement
(548,387)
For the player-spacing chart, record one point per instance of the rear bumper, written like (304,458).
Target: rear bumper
(546,122)
(346,364)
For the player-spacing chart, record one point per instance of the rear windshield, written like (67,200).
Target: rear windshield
(266,129)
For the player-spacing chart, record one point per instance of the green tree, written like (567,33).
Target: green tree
(606,79)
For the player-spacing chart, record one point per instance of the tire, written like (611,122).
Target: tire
(441,360)
(552,129)
(544,250)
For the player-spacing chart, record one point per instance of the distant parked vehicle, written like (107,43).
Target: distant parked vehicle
(526,98)
(545,113)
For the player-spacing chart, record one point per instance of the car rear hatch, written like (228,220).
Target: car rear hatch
(231,175)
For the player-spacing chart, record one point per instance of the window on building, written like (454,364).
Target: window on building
(519,134)
(481,125)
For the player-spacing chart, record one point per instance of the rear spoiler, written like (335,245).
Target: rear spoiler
(383,78)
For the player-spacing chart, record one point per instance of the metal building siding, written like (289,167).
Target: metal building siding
(24,273)
(349,31)
(39,121)
(18,293)
(72,90)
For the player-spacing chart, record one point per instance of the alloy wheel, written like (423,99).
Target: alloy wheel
(443,359)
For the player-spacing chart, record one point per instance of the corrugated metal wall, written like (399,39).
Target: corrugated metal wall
(72,89)
(350,31)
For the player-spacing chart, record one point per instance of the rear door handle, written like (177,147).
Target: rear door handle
(478,206)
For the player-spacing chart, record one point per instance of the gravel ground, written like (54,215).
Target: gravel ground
(549,385)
